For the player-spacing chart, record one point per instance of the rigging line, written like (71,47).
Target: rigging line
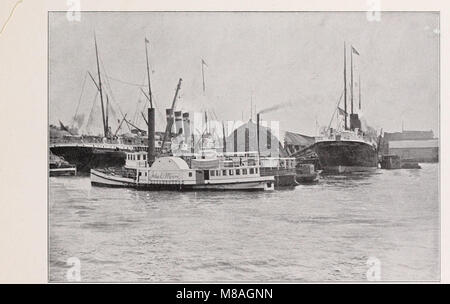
(135,117)
(136,111)
(126,82)
(109,86)
(79,99)
(92,110)
(111,92)
(337,106)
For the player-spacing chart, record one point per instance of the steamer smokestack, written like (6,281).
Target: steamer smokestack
(257,132)
(151,136)
(224,138)
(186,126)
(178,123)
(247,139)
(169,118)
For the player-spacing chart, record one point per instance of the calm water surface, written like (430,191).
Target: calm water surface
(322,232)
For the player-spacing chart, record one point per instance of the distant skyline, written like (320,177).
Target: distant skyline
(264,59)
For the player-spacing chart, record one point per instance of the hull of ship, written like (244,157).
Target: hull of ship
(346,156)
(241,186)
(101,179)
(86,158)
(307,178)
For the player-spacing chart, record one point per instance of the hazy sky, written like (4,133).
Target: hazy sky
(292,58)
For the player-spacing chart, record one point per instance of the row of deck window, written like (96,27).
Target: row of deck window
(228,172)
(136,156)
(231,172)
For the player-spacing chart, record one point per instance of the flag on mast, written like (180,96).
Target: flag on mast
(355,51)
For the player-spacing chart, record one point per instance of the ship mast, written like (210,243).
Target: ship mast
(345,88)
(148,75)
(107,115)
(105,126)
(351,81)
(359,81)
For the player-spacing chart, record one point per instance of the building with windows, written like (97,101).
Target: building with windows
(419,146)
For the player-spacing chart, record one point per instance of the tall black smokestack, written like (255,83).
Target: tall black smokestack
(224,138)
(247,139)
(257,132)
(151,136)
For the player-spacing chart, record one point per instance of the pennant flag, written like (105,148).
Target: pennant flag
(341,112)
(146,40)
(203,62)
(354,50)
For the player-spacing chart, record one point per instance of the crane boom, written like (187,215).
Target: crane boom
(170,123)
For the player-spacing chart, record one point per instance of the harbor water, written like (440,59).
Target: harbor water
(330,231)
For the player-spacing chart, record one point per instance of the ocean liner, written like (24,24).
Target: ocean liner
(347,149)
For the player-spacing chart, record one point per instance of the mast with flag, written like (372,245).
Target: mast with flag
(351,75)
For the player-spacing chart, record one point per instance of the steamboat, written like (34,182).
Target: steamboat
(204,171)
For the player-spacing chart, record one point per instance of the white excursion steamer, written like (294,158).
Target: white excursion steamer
(206,171)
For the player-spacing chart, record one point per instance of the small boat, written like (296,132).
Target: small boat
(58,166)
(390,162)
(307,174)
(283,169)
(408,164)
(204,171)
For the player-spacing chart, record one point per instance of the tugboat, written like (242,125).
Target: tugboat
(205,171)
(306,174)
(283,169)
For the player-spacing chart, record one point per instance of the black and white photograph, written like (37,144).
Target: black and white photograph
(244,146)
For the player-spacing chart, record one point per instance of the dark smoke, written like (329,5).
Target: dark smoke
(276,107)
